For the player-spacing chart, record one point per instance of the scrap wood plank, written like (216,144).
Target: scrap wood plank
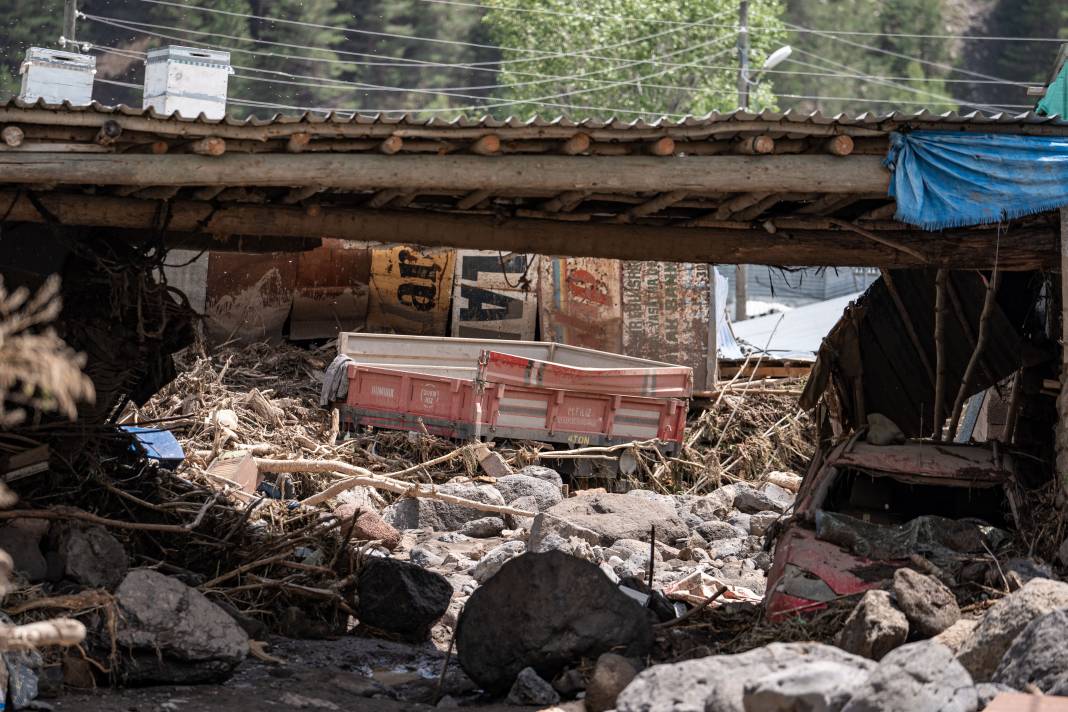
(1020,702)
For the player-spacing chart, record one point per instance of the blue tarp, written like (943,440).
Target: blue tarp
(951,179)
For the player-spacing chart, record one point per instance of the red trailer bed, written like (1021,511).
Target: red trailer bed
(495,389)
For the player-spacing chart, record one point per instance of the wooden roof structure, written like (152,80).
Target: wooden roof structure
(768,188)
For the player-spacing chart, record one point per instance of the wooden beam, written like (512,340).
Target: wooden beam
(298,142)
(565,202)
(739,203)
(1060,437)
(384,197)
(882,239)
(661,147)
(664,200)
(108,134)
(12,136)
(1021,248)
(473,198)
(755,145)
(838,145)
(211,146)
(391,145)
(627,174)
(488,145)
(299,195)
(579,143)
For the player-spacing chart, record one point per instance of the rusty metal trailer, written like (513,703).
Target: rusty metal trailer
(487,389)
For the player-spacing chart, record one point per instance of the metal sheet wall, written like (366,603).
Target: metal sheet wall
(495,296)
(410,290)
(580,302)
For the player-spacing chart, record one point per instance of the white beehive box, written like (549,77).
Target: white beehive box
(187,80)
(57,76)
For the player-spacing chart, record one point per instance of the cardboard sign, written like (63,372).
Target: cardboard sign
(410,290)
(495,296)
(580,302)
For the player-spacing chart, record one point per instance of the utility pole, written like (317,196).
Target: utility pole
(70,21)
(741,293)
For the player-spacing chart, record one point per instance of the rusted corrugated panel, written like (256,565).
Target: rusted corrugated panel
(580,303)
(667,312)
(249,296)
(410,290)
(495,296)
(332,288)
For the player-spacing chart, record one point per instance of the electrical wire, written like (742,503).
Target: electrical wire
(656,21)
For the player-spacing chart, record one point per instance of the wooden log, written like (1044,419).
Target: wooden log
(755,145)
(391,145)
(108,134)
(298,142)
(888,241)
(977,352)
(62,632)
(661,147)
(488,145)
(664,200)
(473,198)
(211,146)
(938,415)
(910,326)
(838,145)
(460,173)
(299,195)
(158,148)
(565,202)
(384,197)
(739,203)
(12,136)
(579,143)
(1024,247)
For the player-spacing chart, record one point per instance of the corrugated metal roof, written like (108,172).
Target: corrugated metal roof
(883,121)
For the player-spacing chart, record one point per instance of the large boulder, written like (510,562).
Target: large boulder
(1038,655)
(617,516)
(544,492)
(918,676)
(822,685)
(170,633)
(718,682)
(715,529)
(90,555)
(546,611)
(543,473)
(366,524)
(1005,620)
(529,689)
(551,533)
(930,607)
(768,498)
(874,628)
(21,539)
(611,675)
(401,598)
(425,513)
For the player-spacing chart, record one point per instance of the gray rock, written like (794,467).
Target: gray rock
(453,538)
(529,689)
(495,558)
(715,505)
(422,513)
(987,691)
(665,500)
(401,598)
(21,539)
(874,628)
(1005,620)
(170,633)
(715,529)
(957,634)
(821,686)
(543,473)
(527,504)
(769,497)
(741,520)
(1038,654)
(724,548)
(930,607)
(718,682)
(483,528)
(89,555)
(1020,570)
(544,492)
(760,522)
(421,555)
(1062,552)
(918,676)
(546,611)
(548,532)
(611,675)
(617,516)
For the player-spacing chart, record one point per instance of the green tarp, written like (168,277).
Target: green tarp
(1055,102)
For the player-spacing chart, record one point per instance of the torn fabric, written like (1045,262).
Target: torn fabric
(947,179)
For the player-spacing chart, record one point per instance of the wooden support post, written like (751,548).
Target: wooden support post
(579,143)
(977,352)
(108,134)
(210,146)
(488,145)
(298,142)
(739,203)
(391,145)
(1061,438)
(12,136)
(839,145)
(755,145)
(938,416)
(473,198)
(910,327)
(661,147)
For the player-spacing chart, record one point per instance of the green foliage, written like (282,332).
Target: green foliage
(551,64)
(25,25)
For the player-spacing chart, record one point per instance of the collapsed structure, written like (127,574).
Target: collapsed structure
(960,340)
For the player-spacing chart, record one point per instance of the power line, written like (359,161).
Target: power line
(795,29)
